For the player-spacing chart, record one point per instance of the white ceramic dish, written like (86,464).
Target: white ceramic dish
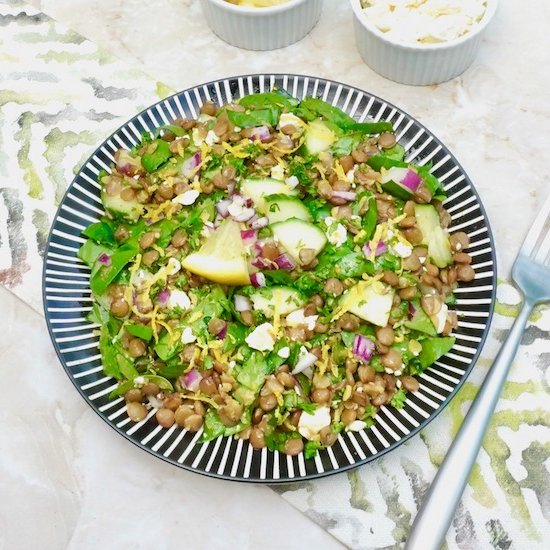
(417,65)
(262,28)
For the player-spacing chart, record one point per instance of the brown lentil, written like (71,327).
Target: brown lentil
(136,411)
(165,417)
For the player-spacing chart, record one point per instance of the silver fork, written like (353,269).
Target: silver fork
(531,272)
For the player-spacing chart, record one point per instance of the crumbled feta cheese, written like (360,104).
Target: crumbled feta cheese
(311,424)
(337,234)
(187,198)
(237,128)
(429,21)
(211,138)
(398,383)
(356,426)
(351,174)
(292,181)
(173,266)
(284,353)
(187,336)
(388,371)
(139,380)
(141,277)
(401,250)
(179,298)
(262,337)
(288,119)
(278,173)
(298,319)
(198,138)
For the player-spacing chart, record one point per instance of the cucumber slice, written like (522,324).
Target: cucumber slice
(435,237)
(319,137)
(420,320)
(371,302)
(391,183)
(257,189)
(295,234)
(280,208)
(130,210)
(283,298)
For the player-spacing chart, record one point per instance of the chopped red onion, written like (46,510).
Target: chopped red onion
(411,180)
(248,235)
(412,311)
(189,165)
(242,303)
(257,248)
(261,133)
(258,280)
(126,164)
(231,188)
(305,362)
(163,297)
(246,215)
(344,195)
(284,262)
(222,207)
(363,348)
(263,263)
(381,248)
(104,259)
(223,332)
(259,223)
(192,380)
(286,141)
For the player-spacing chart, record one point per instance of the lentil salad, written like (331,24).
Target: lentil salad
(273,270)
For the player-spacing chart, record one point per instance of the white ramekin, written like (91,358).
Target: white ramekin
(417,65)
(262,28)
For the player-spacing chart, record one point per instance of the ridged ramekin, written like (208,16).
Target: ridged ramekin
(417,65)
(262,28)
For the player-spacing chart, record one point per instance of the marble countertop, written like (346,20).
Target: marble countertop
(80,483)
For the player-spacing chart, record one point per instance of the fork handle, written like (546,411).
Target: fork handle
(438,507)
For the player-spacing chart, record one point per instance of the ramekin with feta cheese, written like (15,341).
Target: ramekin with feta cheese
(420,42)
(260,25)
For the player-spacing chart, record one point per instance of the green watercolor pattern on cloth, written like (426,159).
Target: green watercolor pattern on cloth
(60,96)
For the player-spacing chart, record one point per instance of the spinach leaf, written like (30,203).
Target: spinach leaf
(158,152)
(257,117)
(101,232)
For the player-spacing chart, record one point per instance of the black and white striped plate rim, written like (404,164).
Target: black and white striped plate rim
(67,296)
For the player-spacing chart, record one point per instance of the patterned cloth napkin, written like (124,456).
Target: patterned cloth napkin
(60,96)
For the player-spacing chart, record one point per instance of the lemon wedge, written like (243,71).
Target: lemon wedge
(222,257)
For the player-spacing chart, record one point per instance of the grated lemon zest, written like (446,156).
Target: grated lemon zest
(154,213)
(168,328)
(237,150)
(322,363)
(347,393)
(340,172)
(160,250)
(203,398)
(359,236)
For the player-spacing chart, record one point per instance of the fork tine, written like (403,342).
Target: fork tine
(543,250)
(536,229)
